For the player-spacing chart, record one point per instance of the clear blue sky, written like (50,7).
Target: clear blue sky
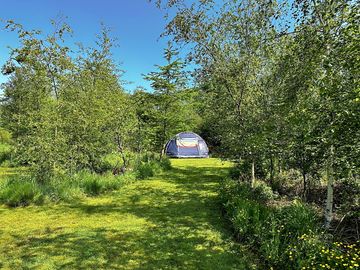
(136,23)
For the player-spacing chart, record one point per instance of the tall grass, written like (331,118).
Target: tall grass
(150,164)
(23,190)
(20,192)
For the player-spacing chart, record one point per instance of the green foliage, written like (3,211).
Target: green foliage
(263,192)
(21,192)
(145,170)
(283,99)
(310,252)
(149,164)
(287,237)
(5,136)
(165,163)
(5,153)
(65,112)
(170,109)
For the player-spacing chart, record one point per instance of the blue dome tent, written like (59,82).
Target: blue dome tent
(187,145)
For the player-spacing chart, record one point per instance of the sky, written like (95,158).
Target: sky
(137,25)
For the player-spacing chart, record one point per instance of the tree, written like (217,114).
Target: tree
(64,112)
(172,111)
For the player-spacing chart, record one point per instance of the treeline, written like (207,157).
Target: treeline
(281,86)
(276,89)
(66,108)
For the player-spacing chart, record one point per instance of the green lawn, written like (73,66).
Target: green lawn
(172,221)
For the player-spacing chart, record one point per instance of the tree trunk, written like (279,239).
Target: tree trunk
(252,173)
(271,170)
(330,190)
(304,184)
(120,149)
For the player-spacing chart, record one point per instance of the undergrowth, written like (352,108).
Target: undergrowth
(287,237)
(25,189)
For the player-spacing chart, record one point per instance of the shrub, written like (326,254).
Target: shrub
(165,164)
(263,192)
(288,237)
(5,136)
(297,219)
(144,170)
(5,153)
(234,172)
(21,192)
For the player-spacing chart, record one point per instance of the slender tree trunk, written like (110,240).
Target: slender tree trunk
(163,139)
(304,184)
(122,155)
(252,173)
(271,170)
(330,190)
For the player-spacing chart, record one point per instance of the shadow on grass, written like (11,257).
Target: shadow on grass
(111,249)
(186,230)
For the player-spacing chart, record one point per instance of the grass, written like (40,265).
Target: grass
(7,171)
(171,221)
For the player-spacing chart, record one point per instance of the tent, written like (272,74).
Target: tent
(187,145)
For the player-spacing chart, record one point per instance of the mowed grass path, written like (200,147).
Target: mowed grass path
(171,221)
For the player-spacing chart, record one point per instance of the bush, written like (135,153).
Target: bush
(262,192)
(145,170)
(5,153)
(5,136)
(288,237)
(165,164)
(246,214)
(21,192)
(234,172)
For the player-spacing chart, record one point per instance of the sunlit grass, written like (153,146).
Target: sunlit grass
(6,171)
(172,221)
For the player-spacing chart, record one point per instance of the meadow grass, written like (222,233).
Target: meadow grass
(170,221)
(7,171)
